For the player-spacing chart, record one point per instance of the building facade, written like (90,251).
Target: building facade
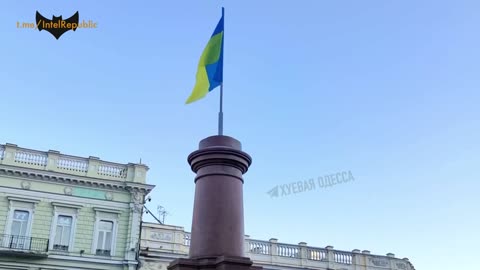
(161,244)
(60,212)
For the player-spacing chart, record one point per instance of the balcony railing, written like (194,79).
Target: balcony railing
(103,252)
(23,243)
(60,248)
(11,154)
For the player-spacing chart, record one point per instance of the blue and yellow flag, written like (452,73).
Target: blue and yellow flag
(210,66)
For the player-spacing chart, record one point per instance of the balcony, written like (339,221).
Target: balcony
(23,246)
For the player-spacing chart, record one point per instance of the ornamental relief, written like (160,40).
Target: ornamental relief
(137,207)
(26,185)
(379,262)
(136,197)
(152,265)
(68,190)
(109,196)
(162,236)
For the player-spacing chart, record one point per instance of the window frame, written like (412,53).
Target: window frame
(28,229)
(53,232)
(111,215)
(28,232)
(104,236)
(64,209)
(21,204)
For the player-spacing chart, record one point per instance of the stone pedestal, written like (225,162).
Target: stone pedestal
(218,263)
(218,236)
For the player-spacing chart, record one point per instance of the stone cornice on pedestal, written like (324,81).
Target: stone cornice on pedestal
(217,263)
(222,151)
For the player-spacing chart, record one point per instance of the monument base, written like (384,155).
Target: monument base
(217,263)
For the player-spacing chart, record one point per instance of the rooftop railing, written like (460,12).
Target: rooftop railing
(11,154)
(161,238)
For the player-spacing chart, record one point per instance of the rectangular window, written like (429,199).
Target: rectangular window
(20,222)
(63,233)
(104,238)
(19,229)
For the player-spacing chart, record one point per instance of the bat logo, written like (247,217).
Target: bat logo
(57,26)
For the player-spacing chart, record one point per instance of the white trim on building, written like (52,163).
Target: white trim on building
(67,210)
(109,215)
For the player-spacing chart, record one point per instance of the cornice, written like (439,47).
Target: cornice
(22,199)
(81,181)
(107,210)
(67,205)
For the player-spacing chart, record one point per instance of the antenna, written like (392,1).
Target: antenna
(162,213)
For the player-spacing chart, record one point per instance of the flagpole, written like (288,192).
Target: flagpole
(220,114)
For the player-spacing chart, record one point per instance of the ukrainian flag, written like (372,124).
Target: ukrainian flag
(210,66)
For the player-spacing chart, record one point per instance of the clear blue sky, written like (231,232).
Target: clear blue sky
(386,89)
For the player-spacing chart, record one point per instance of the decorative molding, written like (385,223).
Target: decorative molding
(23,199)
(136,207)
(162,236)
(87,258)
(107,210)
(136,197)
(68,205)
(50,197)
(55,177)
(109,196)
(68,191)
(378,262)
(26,184)
(137,204)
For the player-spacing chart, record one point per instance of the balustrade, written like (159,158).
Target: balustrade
(288,251)
(260,247)
(342,257)
(72,164)
(310,253)
(187,239)
(113,171)
(31,158)
(10,154)
(317,254)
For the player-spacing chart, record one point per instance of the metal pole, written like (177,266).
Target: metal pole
(150,212)
(220,114)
